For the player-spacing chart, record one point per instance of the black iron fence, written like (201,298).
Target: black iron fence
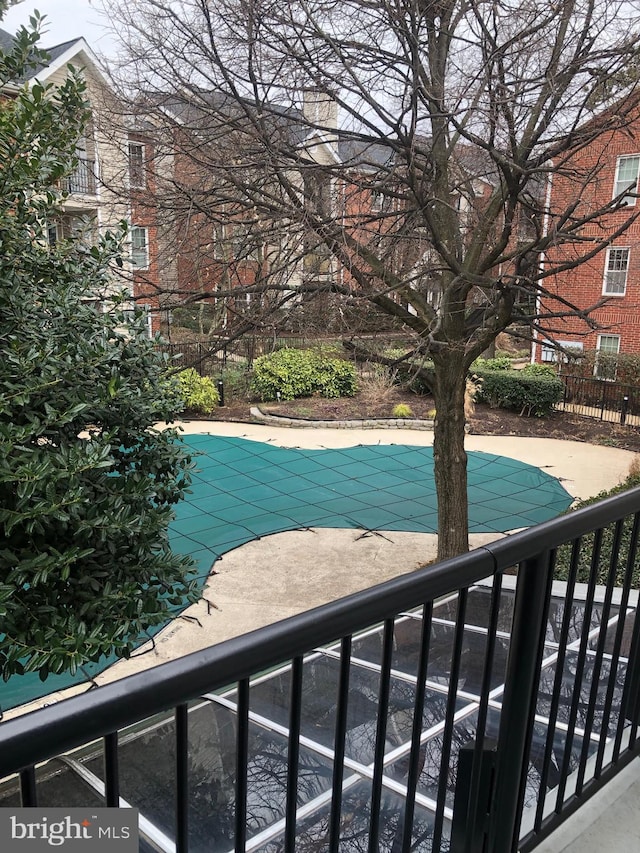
(206,358)
(393,720)
(602,399)
(211,356)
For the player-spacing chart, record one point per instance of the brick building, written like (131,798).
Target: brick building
(112,178)
(606,169)
(193,246)
(140,185)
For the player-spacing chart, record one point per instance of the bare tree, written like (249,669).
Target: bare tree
(427,200)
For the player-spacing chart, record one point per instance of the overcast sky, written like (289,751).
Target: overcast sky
(66,20)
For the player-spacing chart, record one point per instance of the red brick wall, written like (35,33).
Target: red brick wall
(594,167)
(146,283)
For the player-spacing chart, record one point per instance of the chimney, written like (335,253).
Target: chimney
(320,109)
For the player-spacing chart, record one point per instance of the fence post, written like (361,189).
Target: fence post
(473,797)
(623,410)
(631,697)
(520,694)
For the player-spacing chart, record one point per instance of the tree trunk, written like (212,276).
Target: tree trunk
(450,458)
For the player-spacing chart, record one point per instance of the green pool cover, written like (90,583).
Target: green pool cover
(243,490)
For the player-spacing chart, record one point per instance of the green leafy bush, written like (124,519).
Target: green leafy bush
(402,411)
(87,483)
(584,568)
(509,389)
(511,354)
(539,370)
(336,377)
(198,393)
(291,373)
(502,362)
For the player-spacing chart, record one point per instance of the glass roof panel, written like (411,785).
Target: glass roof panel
(569,688)
(320,681)
(313,830)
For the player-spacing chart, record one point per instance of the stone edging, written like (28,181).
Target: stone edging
(355,423)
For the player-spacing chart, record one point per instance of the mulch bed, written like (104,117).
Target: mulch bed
(486,421)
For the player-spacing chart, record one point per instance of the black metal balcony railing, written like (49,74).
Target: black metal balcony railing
(396,719)
(82,180)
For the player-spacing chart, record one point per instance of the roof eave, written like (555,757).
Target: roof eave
(77,47)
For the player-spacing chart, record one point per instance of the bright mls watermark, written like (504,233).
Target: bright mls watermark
(70,830)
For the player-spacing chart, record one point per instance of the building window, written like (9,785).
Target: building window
(377,200)
(81,229)
(136,165)
(615,273)
(562,352)
(139,247)
(607,356)
(317,187)
(148,319)
(53,235)
(627,177)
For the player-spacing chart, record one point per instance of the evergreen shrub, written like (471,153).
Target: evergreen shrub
(620,564)
(509,389)
(290,373)
(198,393)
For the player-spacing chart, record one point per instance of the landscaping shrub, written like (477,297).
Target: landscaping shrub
(511,354)
(420,383)
(502,362)
(377,387)
(88,485)
(402,411)
(539,370)
(199,394)
(509,389)
(563,559)
(336,377)
(291,373)
(411,373)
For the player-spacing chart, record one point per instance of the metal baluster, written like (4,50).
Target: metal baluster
(415,762)
(454,674)
(182,778)
(519,701)
(476,760)
(617,646)
(597,663)
(629,707)
(563,640)
(242,760)
(111,770)
(381,730)
(28,793)
(339,744)
(293,755)
(577,685)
